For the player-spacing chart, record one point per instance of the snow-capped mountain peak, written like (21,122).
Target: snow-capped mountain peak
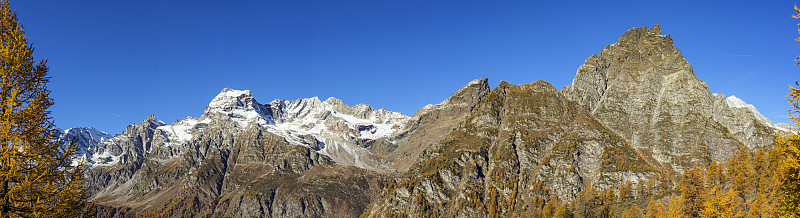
(86,138)
(329,127)
(90,134)
(735,102)
(240,106)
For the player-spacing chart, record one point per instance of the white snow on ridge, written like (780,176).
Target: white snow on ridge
(373,127)
(310,116)
(87,138)
(96,136)
(181,131)
(308,122)
(735,102)
(787,127)
(240,106)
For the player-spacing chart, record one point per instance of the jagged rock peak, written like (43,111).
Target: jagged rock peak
(517,136)
(335,102)
(360,110)
(152,121)
(645,39)
(471,93)
(240,106)
(229,99)
(655,29)
(735,102)
(643,89)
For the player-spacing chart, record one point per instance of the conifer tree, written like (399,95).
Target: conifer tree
(711,207)
(790,147)
(632,212)
(727,205)
(692,191)
(740,173)
(675,207)
(790,172)
(36,175)
(626,191)
(655,209)
(714,175)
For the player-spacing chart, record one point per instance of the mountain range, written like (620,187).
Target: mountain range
(635,113)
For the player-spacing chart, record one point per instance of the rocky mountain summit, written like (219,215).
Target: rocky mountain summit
(244,158)
(522,143)
(635,114)
(643,89)
(433,123)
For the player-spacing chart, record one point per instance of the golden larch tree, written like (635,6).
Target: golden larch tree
(790,147)
(692,189)
(655,209)
(675,208)
(790,167)
(37,178)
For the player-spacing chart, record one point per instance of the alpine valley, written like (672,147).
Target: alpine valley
(634,114)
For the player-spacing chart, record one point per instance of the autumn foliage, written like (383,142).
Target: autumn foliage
(37,178)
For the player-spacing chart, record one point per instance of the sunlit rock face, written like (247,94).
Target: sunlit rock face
(519,144)
(433,123)
(643,89)
(304,157)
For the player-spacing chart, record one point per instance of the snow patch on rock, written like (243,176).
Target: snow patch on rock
(735,102)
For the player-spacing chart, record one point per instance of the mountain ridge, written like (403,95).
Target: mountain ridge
(635,114)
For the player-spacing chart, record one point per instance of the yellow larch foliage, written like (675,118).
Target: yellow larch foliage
(626,191)
(675,208)
(790,174)
(711,207)
(36,175)
(790,167)
(632,212)
(727,205)
(714,175)
(655,209)
(692,188)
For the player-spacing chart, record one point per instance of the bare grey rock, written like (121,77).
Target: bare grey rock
(433,123)
(521,143)
(643,89)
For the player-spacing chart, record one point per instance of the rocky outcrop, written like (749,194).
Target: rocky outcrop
(243,158)
(642,88)
(116,160)
(234,173)
(433,123)
(521,143)
(743,121)
(284,158)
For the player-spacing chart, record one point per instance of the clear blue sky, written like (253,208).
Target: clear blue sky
(114,62)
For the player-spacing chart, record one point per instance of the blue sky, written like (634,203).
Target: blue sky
(115,62)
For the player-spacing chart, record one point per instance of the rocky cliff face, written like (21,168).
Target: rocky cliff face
(643,89)
(329,127)
(744,122)
(433,123)
(249,172)
(521,143)
(86,138)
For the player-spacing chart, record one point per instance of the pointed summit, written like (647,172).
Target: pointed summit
(152,121)
(229,99)
(470,94)
(240,105)
(655,29)
(643,89)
